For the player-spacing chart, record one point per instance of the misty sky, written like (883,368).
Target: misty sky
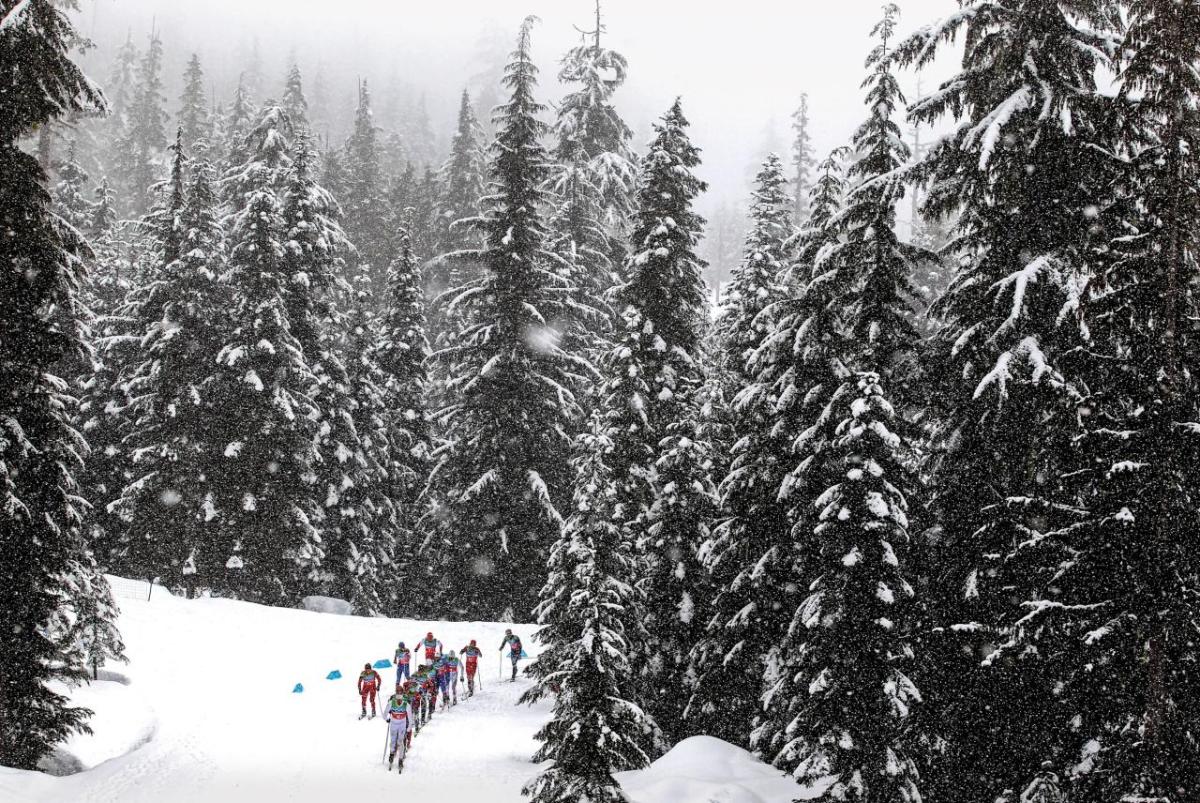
(740,65)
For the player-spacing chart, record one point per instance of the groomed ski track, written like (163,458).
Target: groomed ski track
(212,680)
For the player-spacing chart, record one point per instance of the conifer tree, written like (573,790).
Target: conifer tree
(401,353)
(122,81)
(748,608)
(353,506)
(48,577)
(1022,169)
(269,544)
(294,103)
(145,137)
(462,183)
(802,159)
(597,163)
(171,507)
(868,250)
(650,401)
(1112,618)
(839,673)
(193,104)
(798,367)
(365,206)
(503,470)
(70,194)
(237,123)
(368,546)
(589,624)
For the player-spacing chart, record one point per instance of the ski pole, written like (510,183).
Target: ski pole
(386,732)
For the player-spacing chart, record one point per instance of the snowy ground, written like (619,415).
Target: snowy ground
(205,711)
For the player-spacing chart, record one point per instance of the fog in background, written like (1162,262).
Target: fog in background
(740,66)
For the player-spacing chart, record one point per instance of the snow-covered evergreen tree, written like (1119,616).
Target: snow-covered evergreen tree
(268,541)
(401,353)
(70,193)
(651,403)
(868,247)
(293,101)
(1112,618)
(799,366)
(1022,167)
(590,620)
(462,181)
(193,114)
(803,161)
(510,420)
(145,138)
(840,671)
(48,578)
(749,611)
(237,124)
(170,508)
(354,507)
(365,205)
(596,160)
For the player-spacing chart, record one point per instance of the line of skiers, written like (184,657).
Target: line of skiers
(417,692)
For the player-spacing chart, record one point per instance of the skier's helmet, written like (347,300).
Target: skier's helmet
(508,631)
(453,654)
(366,667)
(429,635)
(401,645)
(472,642)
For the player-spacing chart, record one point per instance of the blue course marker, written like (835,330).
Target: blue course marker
(299,687)
(334,675)
(382,663)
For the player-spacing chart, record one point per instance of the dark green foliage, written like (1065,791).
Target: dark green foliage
(51,593)
(510,416)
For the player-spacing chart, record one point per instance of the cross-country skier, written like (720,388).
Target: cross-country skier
(515,653)
(430,689)
(441,668)
(455,669)
(432,647)
(415,697)
(369,683)
(402,659)
(471,654)
(399,714)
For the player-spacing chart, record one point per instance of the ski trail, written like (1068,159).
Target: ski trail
(217,677)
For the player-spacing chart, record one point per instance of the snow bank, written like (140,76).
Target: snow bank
(704,768)
(318,604)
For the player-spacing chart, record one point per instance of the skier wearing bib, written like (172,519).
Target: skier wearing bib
(515,653)
(368,686)
(430,689)
(441,668)
(413,694)
(432,647)
(402,659)
(471,654)
(455,670)
(399,714)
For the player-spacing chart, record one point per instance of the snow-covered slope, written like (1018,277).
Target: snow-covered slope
(205,711)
